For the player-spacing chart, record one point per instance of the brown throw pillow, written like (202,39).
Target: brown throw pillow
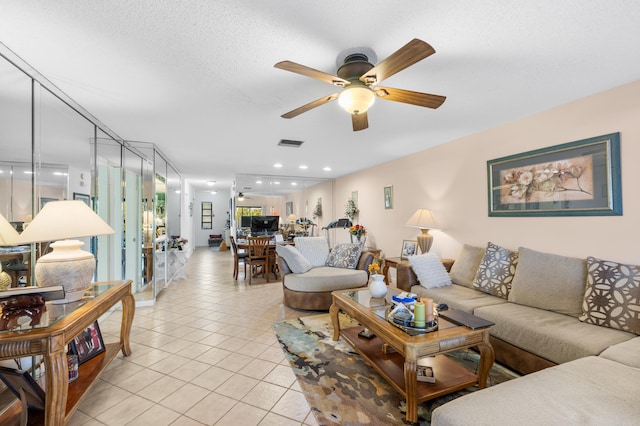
(612,296)
(496,271)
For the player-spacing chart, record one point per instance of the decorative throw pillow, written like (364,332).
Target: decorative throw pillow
(496,271)
(314,249)
(345,255)
(430,272)
(612,296)
(297,262)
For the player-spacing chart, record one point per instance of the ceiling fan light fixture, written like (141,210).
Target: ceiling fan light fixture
(356,98)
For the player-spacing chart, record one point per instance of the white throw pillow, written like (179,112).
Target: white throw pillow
(430,271)
(297,262)
(314,249)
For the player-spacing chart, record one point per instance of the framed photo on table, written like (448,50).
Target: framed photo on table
(409,248)
(580,178)
(87,344)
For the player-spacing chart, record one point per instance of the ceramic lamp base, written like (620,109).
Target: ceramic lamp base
(69,266)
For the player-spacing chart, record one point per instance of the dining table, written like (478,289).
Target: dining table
(272,265)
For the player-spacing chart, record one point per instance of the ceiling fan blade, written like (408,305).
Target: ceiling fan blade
(310,105)
(412,52)
(408,97)
(310,72)
(360,121)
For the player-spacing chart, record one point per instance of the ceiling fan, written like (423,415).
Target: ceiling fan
(358,80)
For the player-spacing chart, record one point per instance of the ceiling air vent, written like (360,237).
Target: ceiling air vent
(290,143)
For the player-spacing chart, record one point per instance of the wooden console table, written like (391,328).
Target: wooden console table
(57,327)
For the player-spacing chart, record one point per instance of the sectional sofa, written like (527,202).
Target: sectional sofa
(580,317)
(311,271)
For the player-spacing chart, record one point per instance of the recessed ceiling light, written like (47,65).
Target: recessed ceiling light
(28,172)
(258,182)
(214,192)
(294,183)
(276,183)
(327,169)
(211,182)
(277,166)
(303,166)
(60,174)
(177,191)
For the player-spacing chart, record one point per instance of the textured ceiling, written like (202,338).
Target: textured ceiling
(196,77)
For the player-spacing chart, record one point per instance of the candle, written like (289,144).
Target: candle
(418,314)
(429,310)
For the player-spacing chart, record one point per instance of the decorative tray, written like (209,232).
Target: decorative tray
(409,327)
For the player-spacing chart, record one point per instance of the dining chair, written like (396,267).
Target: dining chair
(238,256)
(258,255)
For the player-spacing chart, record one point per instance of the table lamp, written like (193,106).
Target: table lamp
(8,234)
(67,265)
(292,222)
(8,237)
(423,219)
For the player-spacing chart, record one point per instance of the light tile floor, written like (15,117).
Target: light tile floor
(204,354)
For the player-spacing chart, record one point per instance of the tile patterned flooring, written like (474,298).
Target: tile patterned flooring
(204,354)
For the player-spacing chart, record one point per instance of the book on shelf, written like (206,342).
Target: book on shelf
(424,371)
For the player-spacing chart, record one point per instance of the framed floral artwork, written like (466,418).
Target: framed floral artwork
(580,178)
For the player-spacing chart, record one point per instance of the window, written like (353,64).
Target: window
(246,211)
(207,215)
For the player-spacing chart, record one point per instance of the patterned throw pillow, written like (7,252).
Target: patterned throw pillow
(496,271)
(345,255)
(612,297)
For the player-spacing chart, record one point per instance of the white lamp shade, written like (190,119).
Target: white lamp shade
(67,265)
(59,220)
(423,219)
(8,234)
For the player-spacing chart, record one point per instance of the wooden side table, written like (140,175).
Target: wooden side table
(57,328)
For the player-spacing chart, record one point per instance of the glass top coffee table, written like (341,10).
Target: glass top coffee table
(394,353)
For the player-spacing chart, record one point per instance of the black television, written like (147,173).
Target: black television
(264,225)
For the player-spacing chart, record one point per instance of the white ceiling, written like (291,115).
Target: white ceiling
(196,77)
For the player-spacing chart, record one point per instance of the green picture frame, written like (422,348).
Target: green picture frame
(388,197)
(580,178)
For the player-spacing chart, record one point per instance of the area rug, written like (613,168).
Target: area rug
(341,388)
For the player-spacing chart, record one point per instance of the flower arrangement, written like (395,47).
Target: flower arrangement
(376,266)
(358,231)
(351,210)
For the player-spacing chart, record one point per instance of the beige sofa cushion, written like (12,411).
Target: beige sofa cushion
(627,353)
(326,278)
(458,297)
(612,296)
(466,265)
(549,281)
(550,335)
(590,391)
(496,271)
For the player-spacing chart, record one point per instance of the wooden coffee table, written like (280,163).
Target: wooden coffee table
(394,353)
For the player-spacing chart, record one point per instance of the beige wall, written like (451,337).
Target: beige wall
(451,179)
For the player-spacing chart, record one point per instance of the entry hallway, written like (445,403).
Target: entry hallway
(204,354)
